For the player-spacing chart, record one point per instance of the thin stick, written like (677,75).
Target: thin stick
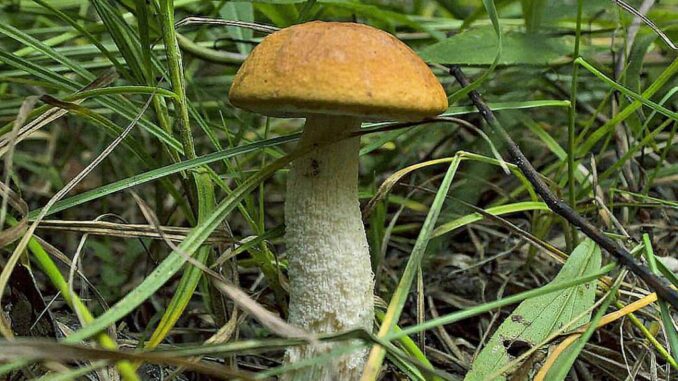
(558,206)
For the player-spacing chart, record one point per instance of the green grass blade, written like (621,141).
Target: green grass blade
(496,210)
(666,317)
(160,173)
(173,263)
(397,303)
(50,269)
(603,131)
(637,97)
(566,361)
(475,311)
(27,40)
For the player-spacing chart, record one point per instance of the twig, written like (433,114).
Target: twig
(195,20)
(125,230)
(558,206)
(647,22)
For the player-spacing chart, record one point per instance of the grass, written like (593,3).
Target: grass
(460,236)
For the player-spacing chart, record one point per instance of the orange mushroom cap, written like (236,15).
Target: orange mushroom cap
(337,68)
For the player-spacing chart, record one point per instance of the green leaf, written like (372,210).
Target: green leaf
(559,10)
(379,13)
(282,13)
(277,2)
(494,18)
(467,313)
(536,319)
(241,11)
(479,47)
(533,10)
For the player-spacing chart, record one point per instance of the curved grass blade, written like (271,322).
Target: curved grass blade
(496,210)
(397,303)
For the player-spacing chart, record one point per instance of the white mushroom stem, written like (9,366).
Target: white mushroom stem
(331,280)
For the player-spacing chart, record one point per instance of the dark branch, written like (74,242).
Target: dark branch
(558,206)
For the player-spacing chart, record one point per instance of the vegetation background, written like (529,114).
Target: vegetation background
(122,156)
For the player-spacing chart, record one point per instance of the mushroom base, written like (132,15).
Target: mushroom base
(331,280)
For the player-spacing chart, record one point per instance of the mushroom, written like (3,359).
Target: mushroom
(336,75)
